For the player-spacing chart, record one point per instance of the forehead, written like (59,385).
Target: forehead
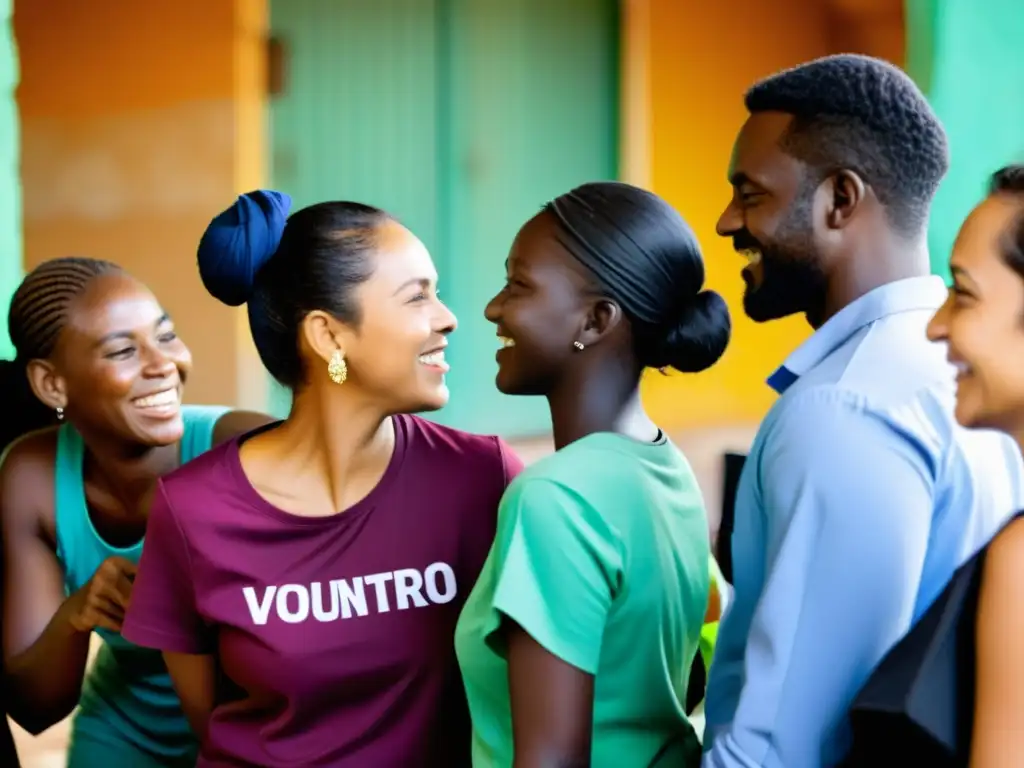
(758,155)
(111,303)
(538,247)
(979,242)
(400,257)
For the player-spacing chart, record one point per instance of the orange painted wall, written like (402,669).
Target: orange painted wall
(139,122)
(701,59)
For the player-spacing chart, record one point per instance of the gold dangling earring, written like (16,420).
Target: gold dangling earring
(337,369)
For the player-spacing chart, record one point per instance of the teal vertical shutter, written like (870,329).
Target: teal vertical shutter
(533,98)
(462,117)
(357,118)
(967,57)
(10,176)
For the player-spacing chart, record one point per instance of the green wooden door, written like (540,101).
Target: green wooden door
(10,180)
(462,117)
(966,56)
(356,118)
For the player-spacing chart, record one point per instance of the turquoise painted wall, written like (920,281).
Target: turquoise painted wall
(10,174)
(968,57)
(531,110)
(461,117)
(357,118)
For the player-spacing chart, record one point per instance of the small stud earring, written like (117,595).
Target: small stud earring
(337,368)
(578,345)
(60,413)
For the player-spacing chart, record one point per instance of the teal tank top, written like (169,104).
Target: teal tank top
(127,694)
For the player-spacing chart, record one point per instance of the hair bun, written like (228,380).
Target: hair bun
(239,241)
(698,338)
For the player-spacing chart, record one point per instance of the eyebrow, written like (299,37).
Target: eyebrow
(957,271)
(422,282)
(128,334)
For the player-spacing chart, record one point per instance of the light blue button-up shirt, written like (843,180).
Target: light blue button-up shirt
(859,499)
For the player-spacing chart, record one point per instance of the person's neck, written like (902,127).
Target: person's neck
(858,274)
(594,400)
(329,440)
(126,471)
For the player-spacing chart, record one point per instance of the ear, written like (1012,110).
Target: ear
(46,384)
(602,318)
(323,334)
(848,192)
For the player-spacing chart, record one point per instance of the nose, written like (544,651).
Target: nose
(731,220)
(446,319)
(156,363)
(938,326)
(492,312)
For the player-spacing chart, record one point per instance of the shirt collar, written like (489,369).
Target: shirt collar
(907,295)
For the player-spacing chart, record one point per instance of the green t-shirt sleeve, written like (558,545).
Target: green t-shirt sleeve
(557,571)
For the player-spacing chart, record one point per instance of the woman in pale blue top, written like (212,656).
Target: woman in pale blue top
(94,397)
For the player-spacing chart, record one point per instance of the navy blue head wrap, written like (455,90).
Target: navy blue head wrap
(239,241)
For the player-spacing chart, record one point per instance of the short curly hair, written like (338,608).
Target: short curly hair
(862,114)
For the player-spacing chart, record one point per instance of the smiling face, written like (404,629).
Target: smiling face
(396,354)
(769,219)
(540,311)
(982,319)
(118,367)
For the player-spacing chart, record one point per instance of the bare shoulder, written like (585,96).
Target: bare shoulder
(1004,562)
(27,478)
(234,423)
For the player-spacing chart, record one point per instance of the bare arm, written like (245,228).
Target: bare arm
(552,705)
(998,740)
(194,678)
(44,655)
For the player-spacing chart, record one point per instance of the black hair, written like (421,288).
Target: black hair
(1010,181)
(645,257)
(37,315)
(862,114)
(315,263)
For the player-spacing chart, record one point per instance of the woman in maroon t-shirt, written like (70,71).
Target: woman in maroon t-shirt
(323,561)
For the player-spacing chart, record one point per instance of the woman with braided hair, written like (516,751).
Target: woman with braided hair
(94,410)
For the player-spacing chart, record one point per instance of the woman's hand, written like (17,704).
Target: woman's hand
(103,600)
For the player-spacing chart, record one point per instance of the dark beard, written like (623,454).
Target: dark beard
(790,285)
(792,281)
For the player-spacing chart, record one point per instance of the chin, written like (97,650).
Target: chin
(168,433)
(432,401)
(763,308)
(508,384)
(973,416)
(502,384)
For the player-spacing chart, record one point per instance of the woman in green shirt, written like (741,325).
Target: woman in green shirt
(576,642)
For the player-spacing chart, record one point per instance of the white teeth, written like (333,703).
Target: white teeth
(434,358)
(505,341)
(753,255)
(167,397)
